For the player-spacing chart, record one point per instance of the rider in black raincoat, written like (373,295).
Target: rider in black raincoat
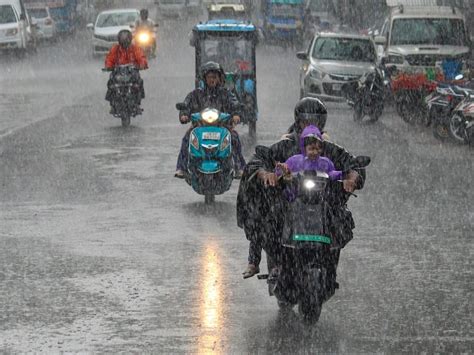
(260,202)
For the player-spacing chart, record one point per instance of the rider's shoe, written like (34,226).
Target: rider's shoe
(251,270)
(179,174)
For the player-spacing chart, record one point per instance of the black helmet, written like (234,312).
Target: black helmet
(144,13)
(212,67)
(125,38)
(312,110)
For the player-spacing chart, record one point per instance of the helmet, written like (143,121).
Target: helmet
(311,110)
(144,13)
(125,38)
(212,67)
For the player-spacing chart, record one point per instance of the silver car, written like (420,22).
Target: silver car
(333,60)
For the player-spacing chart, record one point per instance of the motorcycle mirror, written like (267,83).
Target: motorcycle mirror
(263,152)
(362,161)
(181,106)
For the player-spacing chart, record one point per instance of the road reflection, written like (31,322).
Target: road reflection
(211,303)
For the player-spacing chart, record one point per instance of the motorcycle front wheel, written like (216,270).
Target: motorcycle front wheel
(457,128)
(209,199)
(310,309)
(126,121)
(440,131)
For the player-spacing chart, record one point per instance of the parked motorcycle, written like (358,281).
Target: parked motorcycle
(126,95)
(367,95)
(210,166)
(410,92)
(461,124)
(305,274)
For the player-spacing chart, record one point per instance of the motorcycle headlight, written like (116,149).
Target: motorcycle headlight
(316,74)
(395,59)
(210,116)
(309,184)
(225,142)
(143,37)
(194,140)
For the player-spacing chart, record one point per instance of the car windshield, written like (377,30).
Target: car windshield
(435,31)
(285,10)
(38,13)
(347,49)
(7,15)
(234,54)
(116,19)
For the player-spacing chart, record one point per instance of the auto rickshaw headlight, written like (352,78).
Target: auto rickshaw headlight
(210,116)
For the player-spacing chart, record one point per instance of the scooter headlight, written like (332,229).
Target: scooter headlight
(143,37)
(194,141)
(309,184)
(210,116)
(225,142)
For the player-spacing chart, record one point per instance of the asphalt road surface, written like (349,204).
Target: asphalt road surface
(102,250)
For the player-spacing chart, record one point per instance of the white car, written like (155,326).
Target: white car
(46,27)
(333,60)
(108,25)
(15,27)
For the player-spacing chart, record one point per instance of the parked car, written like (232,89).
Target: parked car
(16,30)
(107,26)
(46,27)
(333,60)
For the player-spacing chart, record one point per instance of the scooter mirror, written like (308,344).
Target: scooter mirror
(362,161)
(181,106)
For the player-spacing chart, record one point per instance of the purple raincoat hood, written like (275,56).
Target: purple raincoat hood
(309,131)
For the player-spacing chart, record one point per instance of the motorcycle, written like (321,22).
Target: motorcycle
(461,123)
(145,38)
(210,166)
(367,95)
(441,104)
(410,92)
(126,95)
(305,273)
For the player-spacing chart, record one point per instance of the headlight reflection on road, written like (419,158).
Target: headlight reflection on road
(211,305)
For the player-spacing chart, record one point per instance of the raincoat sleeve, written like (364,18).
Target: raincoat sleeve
(332,172)
(233,104)
(341,158)
(141,61)
(190,102)
(111,58)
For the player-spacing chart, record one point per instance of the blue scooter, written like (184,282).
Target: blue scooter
(210,165)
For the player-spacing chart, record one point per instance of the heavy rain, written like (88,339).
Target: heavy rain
(190,176)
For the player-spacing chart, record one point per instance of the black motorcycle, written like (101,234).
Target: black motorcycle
(304,269)
(367,95)
(126,92)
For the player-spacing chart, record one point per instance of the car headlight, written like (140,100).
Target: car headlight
(225,142)
(11,32)
(210,116)
(194,141)
(395,59)
(143,37)
(316,74)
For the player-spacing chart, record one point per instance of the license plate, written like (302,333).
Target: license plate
(213,136)
(337,87)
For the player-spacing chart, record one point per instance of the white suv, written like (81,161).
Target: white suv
(419,37)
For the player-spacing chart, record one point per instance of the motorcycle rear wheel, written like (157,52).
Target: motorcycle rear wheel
(310,309)
(253,129)
(209,199)
(457,129)
(441,132)
(125,121)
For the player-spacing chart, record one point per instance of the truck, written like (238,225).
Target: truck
(64,13)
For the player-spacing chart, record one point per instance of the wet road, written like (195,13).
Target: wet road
(102,250)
